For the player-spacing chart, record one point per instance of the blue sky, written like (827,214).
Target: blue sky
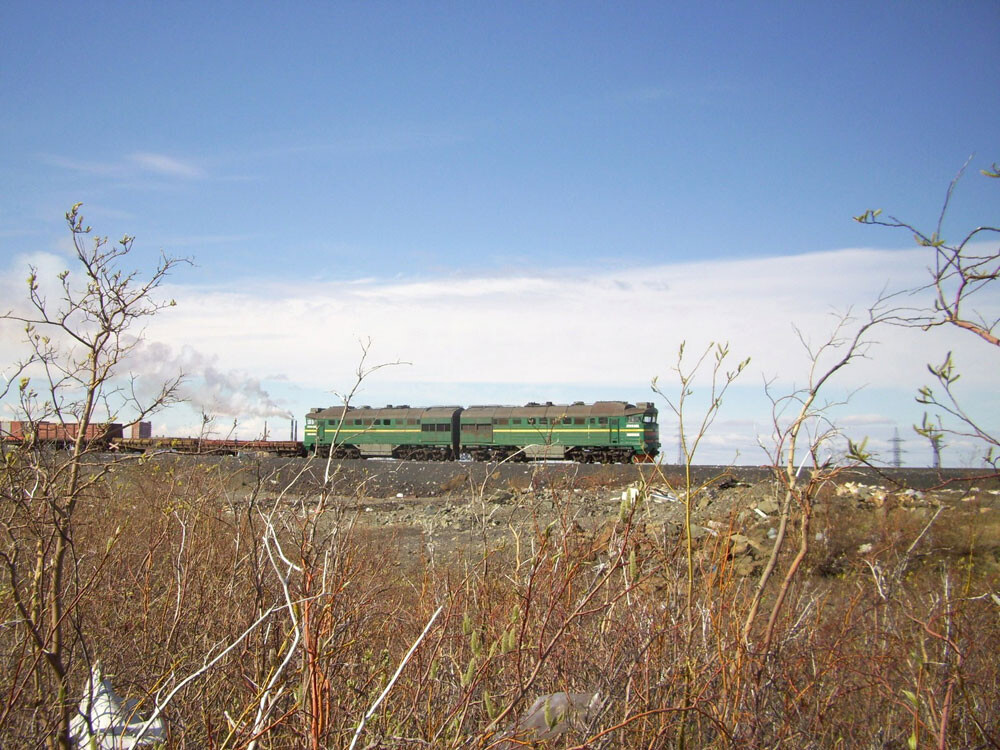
(437,175)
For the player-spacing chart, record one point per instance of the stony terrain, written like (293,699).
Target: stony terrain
(439,510)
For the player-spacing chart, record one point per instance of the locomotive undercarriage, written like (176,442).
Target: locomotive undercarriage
(422,453)
(579,454)
(495,453)
(600,455)
(339,451)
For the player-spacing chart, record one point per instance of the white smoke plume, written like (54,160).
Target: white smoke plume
(206,387)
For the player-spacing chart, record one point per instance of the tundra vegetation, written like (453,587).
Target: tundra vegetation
(247,605)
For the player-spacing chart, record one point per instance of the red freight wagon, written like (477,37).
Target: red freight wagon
(55,432)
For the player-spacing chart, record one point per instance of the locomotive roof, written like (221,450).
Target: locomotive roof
(579,409)
(548,409)
(386,412)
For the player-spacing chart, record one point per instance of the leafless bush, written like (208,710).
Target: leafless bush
(250,610)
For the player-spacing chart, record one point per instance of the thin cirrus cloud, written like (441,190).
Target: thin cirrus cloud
(164,165)
(137,163)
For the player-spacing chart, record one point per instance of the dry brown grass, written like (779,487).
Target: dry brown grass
(891,646)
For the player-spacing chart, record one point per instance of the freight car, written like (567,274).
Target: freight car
(137,438)
(59,434)
(606,432)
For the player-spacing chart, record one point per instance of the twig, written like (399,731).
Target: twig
(399,669)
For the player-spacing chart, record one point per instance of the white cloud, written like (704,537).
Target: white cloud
(165,165)
(603,330)
(100,168)
(139,162)
(443,289)
(572,326)
(864,420)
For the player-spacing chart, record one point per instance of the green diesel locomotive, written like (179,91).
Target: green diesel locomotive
(605,432)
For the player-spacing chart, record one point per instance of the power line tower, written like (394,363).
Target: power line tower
(897,448)
(936,445)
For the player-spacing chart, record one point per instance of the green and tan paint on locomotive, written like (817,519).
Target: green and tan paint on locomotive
(421,434)
(605,431)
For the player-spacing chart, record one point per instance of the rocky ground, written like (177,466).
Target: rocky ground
(438,510)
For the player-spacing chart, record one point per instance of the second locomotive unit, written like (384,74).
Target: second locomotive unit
(605,431)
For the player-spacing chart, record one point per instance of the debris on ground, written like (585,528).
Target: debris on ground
(103,722)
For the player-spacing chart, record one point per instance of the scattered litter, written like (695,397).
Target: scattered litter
(731,482)
(555,714)
(659,496)
(874,494)
(768,505)
(760,513)
(103,722)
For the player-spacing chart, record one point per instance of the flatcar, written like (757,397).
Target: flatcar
(606,432)
(134,438)
(223,447)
